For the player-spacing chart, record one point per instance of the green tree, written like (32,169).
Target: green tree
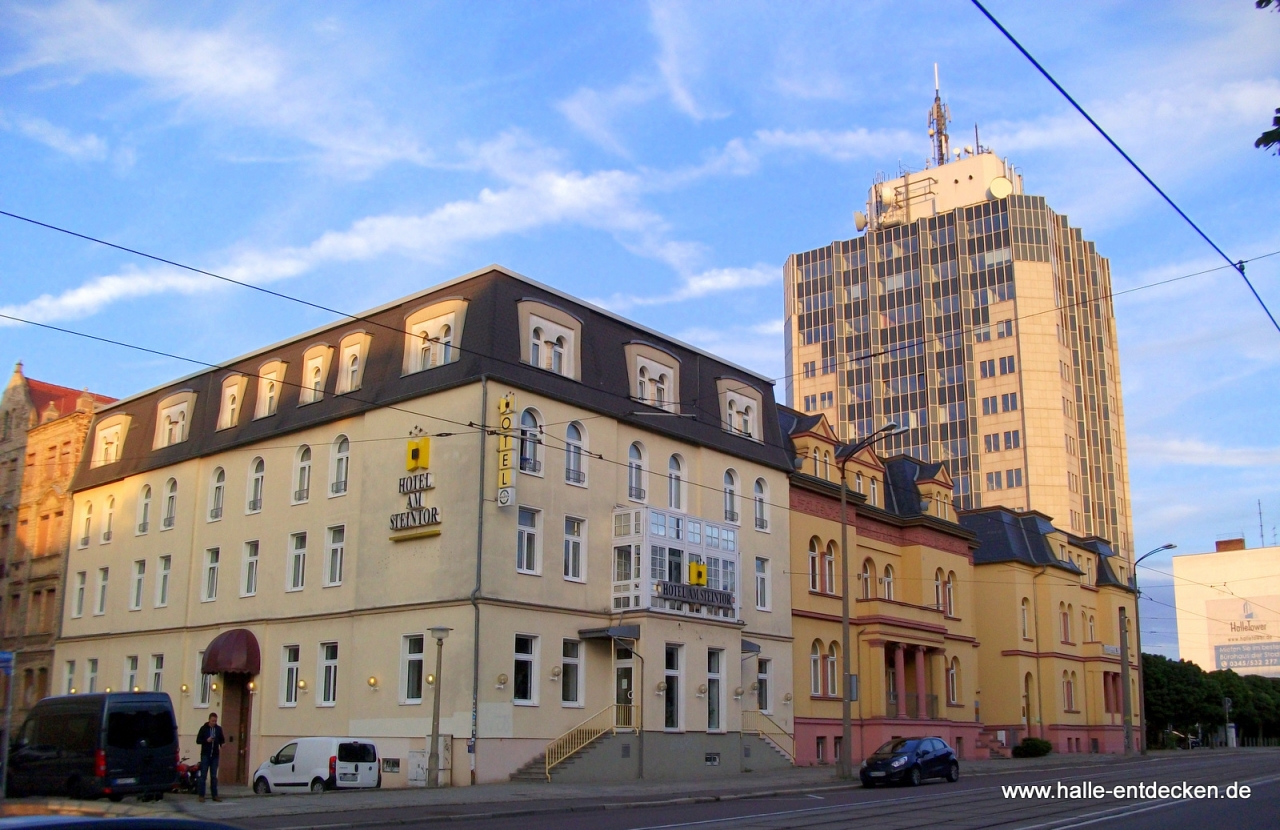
(1180,695)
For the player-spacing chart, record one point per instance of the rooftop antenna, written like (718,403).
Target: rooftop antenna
(938,118)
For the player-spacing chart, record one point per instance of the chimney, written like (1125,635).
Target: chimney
(1229,544)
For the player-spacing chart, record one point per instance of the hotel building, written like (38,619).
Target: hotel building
(590,507)
(977,317)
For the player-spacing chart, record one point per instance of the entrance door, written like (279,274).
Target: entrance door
(625,694)
(237,716)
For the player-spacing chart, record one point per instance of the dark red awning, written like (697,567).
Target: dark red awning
(233,651)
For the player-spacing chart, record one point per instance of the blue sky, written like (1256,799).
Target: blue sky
(662,159)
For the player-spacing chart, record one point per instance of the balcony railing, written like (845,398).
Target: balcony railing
(84,541)
(762,523)
(142,526)
(338,487)
(530,465)
(575,476)
(215,513)
(168,521)
(636,493)
(301,495)
(913,706)
(255,505)
(731,515)
(106,536)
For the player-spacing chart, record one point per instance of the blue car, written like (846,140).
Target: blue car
(910,761)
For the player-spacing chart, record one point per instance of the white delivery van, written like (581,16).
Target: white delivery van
(319,764)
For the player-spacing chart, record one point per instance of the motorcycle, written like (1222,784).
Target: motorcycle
(188,776)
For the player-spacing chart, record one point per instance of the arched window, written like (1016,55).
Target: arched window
(815,669)
(937,589)
(816,470)
(1026,619)
(761,504)
(341,465)
(747,421)
(530,442)
(826,465)
(642,385)
(317,384)
(1064,622)
(953,681)
(88,525)
(635,472)
(257,481)
(888,582)
(1071,612)
(1068,695)
(1071,689)
(574,472)
(1027,682)
(675,483)
(353,373)
(660,391)
(446,344)
(271,397)
(557,356)
(232,404)
(535,347)
(815,578)
(302,479)
(170,503)
(109,519)
(144,509)
(730,496)
(216,494)
(1092,634)
(868,579)
(875,494)
(951,594)
(424,352)
(829,568)
(833,657)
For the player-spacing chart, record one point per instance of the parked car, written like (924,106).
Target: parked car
(90,746)
(319,764)
(910,761)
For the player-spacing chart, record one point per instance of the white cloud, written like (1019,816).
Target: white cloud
(679,48)
(99,292)
(593,112)
(837,145)
(701,284)
(1197,453)
(87,147)
(227,76)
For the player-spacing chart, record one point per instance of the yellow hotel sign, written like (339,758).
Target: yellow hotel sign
(506,449)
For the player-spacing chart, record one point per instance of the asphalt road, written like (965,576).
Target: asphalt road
(974,802)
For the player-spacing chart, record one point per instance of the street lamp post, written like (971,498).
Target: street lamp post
(843,454)
(1137,623)
(433,760)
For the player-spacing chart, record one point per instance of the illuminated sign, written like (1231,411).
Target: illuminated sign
(506,450)
(416,515)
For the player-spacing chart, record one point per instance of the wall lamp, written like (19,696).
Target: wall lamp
(373,683)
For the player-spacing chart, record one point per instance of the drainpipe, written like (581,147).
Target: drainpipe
(475,593)
(1035,607)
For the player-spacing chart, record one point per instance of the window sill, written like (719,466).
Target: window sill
(575,580)
(208,599)
(826,594)
(417,702)
(564,705)
(247,596)
(824,697)
(139,608)
(582,485)
(282,706)
(955,706)
(296,503)
(294,590)
(1071,711)
(528,573)
(766,610)
(528,703)
(326,705)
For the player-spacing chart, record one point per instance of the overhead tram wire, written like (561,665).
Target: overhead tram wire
(359,318)
(1237,265)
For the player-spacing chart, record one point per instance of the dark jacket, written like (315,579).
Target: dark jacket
(210,740)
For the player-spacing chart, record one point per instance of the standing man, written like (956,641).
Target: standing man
(210,739)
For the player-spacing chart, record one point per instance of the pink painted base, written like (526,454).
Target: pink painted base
(869,734)
(1067,738)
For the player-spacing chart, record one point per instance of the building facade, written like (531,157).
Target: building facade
(42,432)
(913,628)
(489,456)
(1050,631)
(1229,608)
(977,317)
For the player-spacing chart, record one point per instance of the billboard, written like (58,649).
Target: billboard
(1244,634)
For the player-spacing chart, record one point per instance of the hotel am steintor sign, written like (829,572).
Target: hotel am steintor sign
(416,520)
(506,450)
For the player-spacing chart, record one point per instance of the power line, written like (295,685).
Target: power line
(1237,265)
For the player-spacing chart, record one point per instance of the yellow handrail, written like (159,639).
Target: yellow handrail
(766,727)
(611,718)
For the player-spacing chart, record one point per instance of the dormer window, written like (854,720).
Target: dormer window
(270,382)
(353,354)
(655,375)
(108,440)
(172,417)
(232,397)
(432,340)
(315,370)
(740,404)
(549,346)
(550,338)
(535,347)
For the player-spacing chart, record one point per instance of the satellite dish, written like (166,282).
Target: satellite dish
(859,220)
(1000,187)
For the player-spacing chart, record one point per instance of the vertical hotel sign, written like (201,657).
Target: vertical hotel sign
(506,450)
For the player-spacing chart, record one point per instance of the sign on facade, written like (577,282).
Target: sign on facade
(506,449)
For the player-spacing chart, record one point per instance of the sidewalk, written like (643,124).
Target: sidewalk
(526,798)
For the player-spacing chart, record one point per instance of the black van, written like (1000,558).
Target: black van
(90,746)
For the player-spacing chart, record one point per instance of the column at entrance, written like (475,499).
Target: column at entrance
(876,692)
(900,678)
(922,685)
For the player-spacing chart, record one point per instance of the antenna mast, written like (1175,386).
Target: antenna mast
(938,118)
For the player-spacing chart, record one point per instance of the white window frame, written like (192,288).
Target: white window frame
(764,679)
(575,455)
(69,678)
(108,522)
(170,518)
(526,546)
(327,675)
(575,548)
(217,495)
(350,378)
(335,551)
(250,562)
(162,580)
(730,490)
(762,584)
(257,486)
(637,490)
(532,660)
(131,665)
(407,659)
(100,591)
(144,510)
(340,469)
(204,684)
(715,690)
(312,371)
(139,581)
(270,385)
(760,504)
(209,574)
(106,445)
(296,574)
(302,475)
(157,673)
(530,442)
(675,482)
(674,676)
(91,675)
(82,578)
(290,667)
(579,683)
(230,406)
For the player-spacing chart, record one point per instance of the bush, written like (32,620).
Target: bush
(1032,748)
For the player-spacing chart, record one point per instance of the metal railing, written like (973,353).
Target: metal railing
(731,515)
(338,487)
(255,504)
(758,723)
(168,521)
(302,495)
(106,536)
(636,493)
(530,465)
(762,523)
(912,707)
(84,541)
(574,476)
(609,720)
(215,513)
(142,526)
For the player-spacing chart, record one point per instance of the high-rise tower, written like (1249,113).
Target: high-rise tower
(972,314)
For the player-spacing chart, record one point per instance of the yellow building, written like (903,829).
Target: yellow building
(913,636)
(1229,608)
(490,456)
(976,317)
(1050,632)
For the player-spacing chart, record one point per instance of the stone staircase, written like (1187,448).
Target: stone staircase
(760,743)
(989,740)
(536,770)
